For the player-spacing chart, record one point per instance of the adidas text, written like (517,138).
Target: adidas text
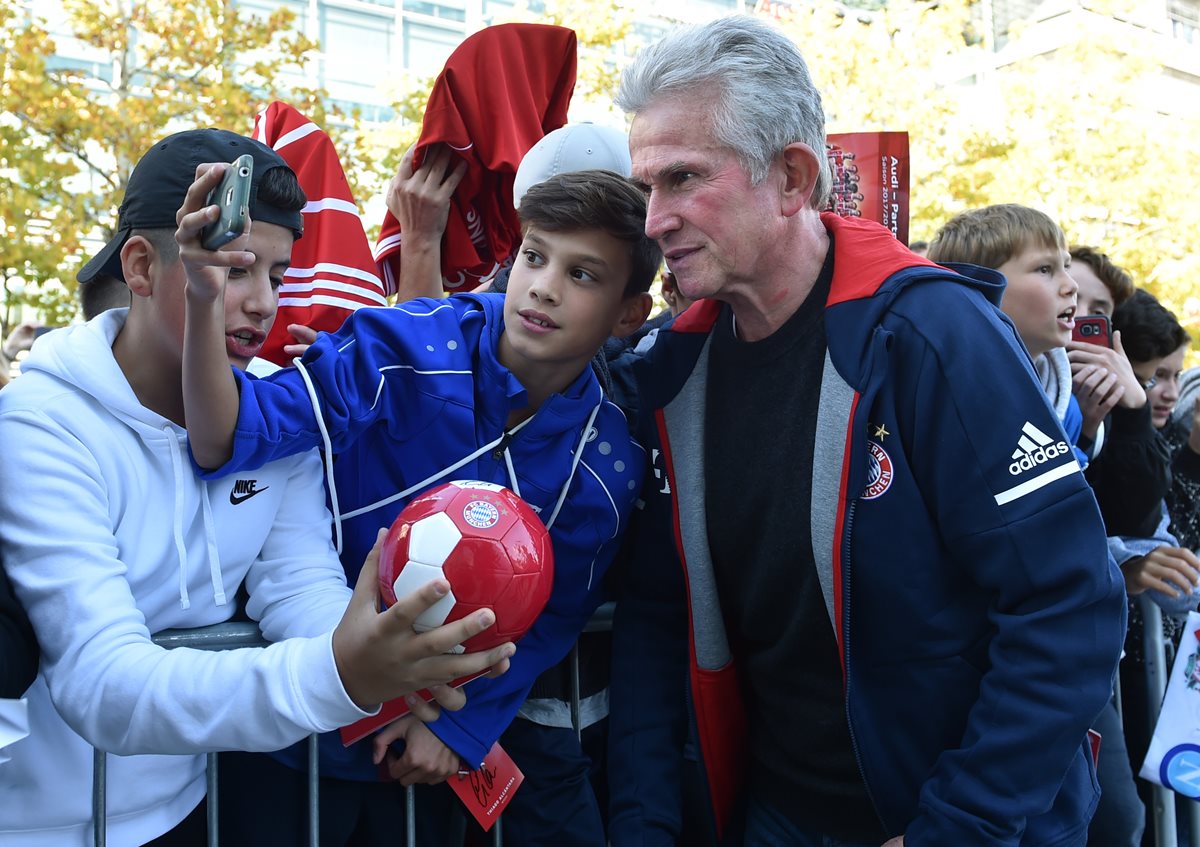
(1038,456)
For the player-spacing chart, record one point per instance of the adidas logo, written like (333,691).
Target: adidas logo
(1034,448)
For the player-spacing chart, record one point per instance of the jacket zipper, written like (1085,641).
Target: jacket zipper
(849,525)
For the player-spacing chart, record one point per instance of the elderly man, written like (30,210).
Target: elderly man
(870,599)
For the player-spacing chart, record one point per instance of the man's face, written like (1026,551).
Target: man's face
(565,297)
(1094,296)
(1040,297)
(715,228)
(251,295)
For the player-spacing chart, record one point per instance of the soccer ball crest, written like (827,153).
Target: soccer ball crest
(486,542)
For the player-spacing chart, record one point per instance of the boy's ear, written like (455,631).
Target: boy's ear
(137,257)
(634,311)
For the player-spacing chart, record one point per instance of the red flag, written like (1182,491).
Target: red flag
(332,271)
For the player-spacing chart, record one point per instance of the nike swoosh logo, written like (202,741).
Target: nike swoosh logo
(235,499)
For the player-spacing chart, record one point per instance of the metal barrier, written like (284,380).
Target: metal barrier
(1158,671)
(235,634)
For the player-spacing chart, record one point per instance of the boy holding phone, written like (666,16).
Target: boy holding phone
(109,538)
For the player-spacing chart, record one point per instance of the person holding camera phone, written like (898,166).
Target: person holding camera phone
(1129,463)
(108,537)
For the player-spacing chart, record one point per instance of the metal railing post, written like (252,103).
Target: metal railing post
(210,777)
(314,791)
(99,800)
(410,816)
(1156,686)
(576,723)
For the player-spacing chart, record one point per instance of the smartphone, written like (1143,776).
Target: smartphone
(1093,329)
(232,196)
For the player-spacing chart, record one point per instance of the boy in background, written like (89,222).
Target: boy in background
(1040,298)
(478,386)
(108,538)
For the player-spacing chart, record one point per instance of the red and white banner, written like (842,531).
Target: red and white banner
(333,272)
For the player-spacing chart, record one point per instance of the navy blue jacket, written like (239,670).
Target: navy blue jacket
(963,558)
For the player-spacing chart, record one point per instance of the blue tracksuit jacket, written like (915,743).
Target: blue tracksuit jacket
(978,615)
(405,395)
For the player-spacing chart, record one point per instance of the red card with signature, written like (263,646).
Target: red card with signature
(487,791)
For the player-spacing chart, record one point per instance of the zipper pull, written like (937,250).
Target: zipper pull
(498,453)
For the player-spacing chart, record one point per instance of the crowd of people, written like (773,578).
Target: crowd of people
(873,517)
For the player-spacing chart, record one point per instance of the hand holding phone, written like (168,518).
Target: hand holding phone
(1093,329)
(232,196)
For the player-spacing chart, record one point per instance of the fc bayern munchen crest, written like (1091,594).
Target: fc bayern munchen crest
(879,476)
(481,514)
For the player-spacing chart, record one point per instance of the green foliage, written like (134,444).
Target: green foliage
(1071,132)
(70,135)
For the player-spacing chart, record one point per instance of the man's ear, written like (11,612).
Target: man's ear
(800,170)
(137,257)
(634,311)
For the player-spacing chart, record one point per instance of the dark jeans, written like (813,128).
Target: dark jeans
(1120,818)
(192,831)
(265,802)
(557,804)
(768,827)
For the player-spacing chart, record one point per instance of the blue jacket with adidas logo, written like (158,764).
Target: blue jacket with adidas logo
(978,615)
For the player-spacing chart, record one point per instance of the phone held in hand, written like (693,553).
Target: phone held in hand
(232,196)
(1093,329)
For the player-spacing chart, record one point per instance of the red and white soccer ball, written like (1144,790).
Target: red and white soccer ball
(487,542)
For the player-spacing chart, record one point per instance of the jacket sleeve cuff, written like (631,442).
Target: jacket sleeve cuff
(330,706)
(469,748)
(1131,424)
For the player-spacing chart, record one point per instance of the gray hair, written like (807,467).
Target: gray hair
(766,99)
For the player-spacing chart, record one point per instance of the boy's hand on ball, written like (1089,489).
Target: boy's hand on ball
(379,656)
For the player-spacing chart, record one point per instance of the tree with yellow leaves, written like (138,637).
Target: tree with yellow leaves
(70,135)
(1069,131)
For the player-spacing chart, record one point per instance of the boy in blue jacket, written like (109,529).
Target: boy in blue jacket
(478,386)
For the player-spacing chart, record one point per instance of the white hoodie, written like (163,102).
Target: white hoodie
(108,537)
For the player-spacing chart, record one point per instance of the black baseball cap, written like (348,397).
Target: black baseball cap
(162,177)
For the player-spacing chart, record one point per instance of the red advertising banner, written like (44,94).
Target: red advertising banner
(870,178)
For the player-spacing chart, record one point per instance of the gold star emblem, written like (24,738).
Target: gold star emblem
(881,431)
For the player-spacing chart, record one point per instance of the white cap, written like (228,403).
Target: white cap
(577,147)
